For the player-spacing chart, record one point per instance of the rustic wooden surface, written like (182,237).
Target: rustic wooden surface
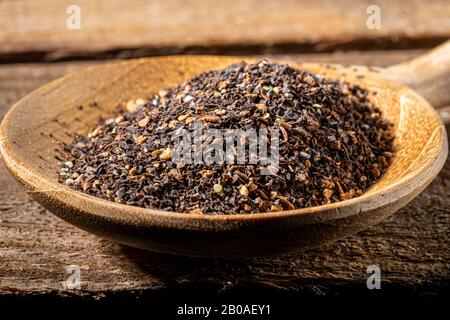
(31,30)
(411,248)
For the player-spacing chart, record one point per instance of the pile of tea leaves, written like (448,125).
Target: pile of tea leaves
(334,144)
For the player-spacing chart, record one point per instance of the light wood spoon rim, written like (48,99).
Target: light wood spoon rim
(238,234)
(37,183)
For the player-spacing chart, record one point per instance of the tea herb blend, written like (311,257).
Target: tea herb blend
(333,144)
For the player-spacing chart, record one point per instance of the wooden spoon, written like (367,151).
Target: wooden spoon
(34,127)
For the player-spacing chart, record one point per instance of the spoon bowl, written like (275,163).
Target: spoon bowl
(34,128)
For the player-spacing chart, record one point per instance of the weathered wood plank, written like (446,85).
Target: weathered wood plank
(412,247)
(32,30)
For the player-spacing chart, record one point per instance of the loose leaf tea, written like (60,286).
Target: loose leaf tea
(333,144)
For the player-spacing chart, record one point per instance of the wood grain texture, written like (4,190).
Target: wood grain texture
(32,130)
(428,75)
(412,248)
(37,29)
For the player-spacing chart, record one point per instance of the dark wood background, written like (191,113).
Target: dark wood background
(411,248)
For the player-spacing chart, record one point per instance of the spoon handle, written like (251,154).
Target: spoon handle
(428,75)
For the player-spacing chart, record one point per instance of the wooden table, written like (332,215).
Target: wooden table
(411,248)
